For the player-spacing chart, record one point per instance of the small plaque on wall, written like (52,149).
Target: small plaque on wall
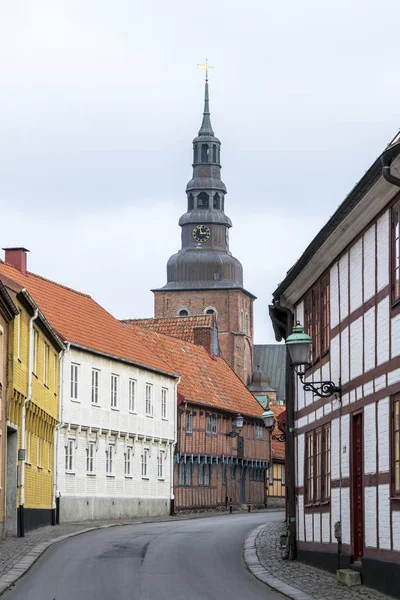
(21,454)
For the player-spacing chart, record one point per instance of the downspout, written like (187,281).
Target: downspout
(55,513)
(386,160)
(172,465)
(23,420)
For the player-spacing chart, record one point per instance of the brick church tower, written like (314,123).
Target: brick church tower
(204,277)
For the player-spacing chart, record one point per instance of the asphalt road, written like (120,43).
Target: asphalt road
(199,559)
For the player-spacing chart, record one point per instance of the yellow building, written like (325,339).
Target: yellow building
(34,351)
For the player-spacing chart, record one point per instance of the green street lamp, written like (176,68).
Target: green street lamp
(269,419)
(299,344)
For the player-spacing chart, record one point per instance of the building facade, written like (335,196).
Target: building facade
(345,290)
(204,277)
(8,312)
(117,419)
(32,414)
(212,467)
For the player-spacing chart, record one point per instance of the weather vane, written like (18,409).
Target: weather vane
(205,66)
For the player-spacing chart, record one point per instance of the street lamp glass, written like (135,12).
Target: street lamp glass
(269,419)
(239,422)
(298,344)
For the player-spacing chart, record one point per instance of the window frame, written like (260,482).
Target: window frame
(70,456)
(189,422)
(95,386)
(317,465)
(74,383)
(212,424)
(317,317)
(395,253)
(110,460)
(128,461)
(132,395)
(145,463)
(91,458)
(259,432)
(114,388)
(164,400)
(149,399)
(160,464)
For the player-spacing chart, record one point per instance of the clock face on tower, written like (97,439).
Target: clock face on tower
(201,233)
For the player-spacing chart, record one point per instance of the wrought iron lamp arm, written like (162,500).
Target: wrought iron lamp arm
(322,389)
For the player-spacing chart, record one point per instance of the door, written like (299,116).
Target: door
(243,485)
(357,456)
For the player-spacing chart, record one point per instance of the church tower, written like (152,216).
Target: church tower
(204,277)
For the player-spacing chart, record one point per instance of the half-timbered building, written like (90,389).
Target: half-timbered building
(345,289)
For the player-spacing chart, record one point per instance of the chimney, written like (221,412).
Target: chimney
(203,336)
(17,258)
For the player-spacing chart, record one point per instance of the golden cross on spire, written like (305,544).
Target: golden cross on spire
(205,66)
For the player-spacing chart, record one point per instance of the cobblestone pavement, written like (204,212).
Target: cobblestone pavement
(13,549)
(317,583)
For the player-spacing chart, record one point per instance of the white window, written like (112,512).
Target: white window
(132,395)
(69,455)
(189,422)
(46,363)
(114,391)
(164,393)
(74,381)
(28,447)
(35,350)
(40,453)
(91,458)
(211,424)
(95,386)
(128,461)
(259,432)
(160,466)
(149,400)
(145,460)
(110,460)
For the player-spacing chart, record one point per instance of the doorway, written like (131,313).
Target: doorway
(11,484)
(357,457)
(243,485)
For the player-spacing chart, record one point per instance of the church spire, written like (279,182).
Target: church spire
(206,128)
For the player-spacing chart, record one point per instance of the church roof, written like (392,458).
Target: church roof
(271,359)
(206,128)
(78,319)
(178,327)
(206,379)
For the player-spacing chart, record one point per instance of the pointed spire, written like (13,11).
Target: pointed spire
(206,128)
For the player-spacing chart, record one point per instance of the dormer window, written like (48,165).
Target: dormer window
(203,200)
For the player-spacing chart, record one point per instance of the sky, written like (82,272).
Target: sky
(100,101)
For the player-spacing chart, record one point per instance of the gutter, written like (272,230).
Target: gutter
(23,420)
(387,158)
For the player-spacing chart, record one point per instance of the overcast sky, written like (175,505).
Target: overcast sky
(100,101)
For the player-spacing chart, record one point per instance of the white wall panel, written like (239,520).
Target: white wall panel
(345,446)
(326,531)
(356,275)
(300,460)
(300,518)
(344,346)
(383,439)
(369,263)
(346,516)
(356,348)
(369,439)
(344,286)
(334,294)
(370,516)
(384,516)
(383,236)
(383,331)
(335,449)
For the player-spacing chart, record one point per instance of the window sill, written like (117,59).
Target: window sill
(145,477)
(46,386)
(70,472)
(19,360)
(75,400)
(28,464)
(115,408)
(49,470)
(128,476)
(91,474)
(133,412)
(35,376)
(149,416)
(316,504)
(161,478)
(95,405)
(39,468)
(110,476)
(164,419)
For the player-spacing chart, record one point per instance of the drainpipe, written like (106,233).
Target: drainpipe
(55,516)
(23,419)
(172,495)
(386,160)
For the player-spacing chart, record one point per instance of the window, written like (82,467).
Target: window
(149,401)
(128,461)
(204,474)
(396,445)
(164,403)
(114,391)
(18,326)
(46,363)
(90,457)
(316,317)
(217,201)
(211,425)
(181,473)
(40,453)
(183,313)
(318,464)
(190,202)
(35,350)
(188,474)
(74,381)
(132,395)
(259,432)
(145,460)
(214,153)
(203,200)
(189,422)
(160,465)
(185,474)
(204,153)
(95,386)
(69,455)
(110,460)
(396,252)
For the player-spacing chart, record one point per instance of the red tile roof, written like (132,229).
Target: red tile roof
(205,379)
(80,320)
(278,448)
(178,327)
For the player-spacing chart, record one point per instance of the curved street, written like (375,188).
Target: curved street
(180,560)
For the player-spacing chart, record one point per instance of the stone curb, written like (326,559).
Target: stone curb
(22,566)
(257,569)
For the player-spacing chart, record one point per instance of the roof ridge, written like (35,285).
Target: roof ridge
(168,318)
(65,287)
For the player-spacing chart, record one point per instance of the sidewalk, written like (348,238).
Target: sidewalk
(292,578)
